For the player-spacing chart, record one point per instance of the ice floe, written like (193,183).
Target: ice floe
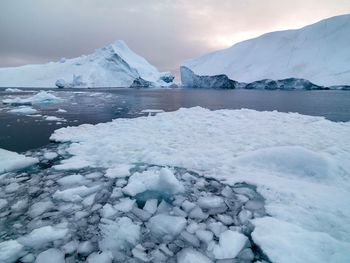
(41,97)
(13,161)
(298,163)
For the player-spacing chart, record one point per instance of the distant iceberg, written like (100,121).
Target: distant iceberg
(314,57)
(112,66)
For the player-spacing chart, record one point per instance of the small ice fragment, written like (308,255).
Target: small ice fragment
(103,257)
(70,247)
(108,211)
(39,208)
(51,255)
(41,236)
(85,248)
(10,251)
(209,202)
(124,205)
(197,213)
(72,180)
(230,244)
(162,224)
(189,255)
(151,206)
(119,171)
(205,235)
(139,253)
(50,155)
(3,203)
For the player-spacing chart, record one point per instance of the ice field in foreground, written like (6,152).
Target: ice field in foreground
(237,185)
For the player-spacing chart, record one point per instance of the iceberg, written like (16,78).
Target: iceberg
(291,59)
(112,66)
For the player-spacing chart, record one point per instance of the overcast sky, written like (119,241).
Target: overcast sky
(165,32)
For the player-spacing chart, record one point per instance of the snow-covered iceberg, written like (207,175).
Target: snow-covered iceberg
(112,66)
(299,164)
(318,53)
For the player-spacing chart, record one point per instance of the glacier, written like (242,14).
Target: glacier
(112,66)
(316,56)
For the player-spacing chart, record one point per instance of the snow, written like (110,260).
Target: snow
(10,161)
(51,255)
(41,97)
(112,66)
(230,244)
(298,163)
(318,53)
(189,255)
(162,181)
(10,251)
(162,224)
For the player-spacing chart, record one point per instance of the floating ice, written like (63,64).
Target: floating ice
(51,255)
(26,110)
(311,191)
(13,161)
(10,251)
(41,236)
(189,255)
(230,244)
(161,225)
(42,97)
(161,181)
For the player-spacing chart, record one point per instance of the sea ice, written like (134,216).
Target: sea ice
(41,236)
(26,110)
(10,161)
(41,97)
(189,255)
(51,255)
(10,251)
(162,224)
(230,244)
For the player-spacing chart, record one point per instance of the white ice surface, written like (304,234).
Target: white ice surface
(318,53)
(230,244)
(41,97)
(112,66)
(26,110)
(300,164)
(10,251)
(10,161)
(51,255)
(189,255)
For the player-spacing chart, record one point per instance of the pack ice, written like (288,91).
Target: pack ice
(112,66)
(202,186)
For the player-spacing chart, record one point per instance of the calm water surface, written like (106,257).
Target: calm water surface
(20,133)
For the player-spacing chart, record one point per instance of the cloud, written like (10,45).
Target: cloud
(166,32)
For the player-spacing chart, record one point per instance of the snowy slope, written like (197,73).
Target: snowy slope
(113,66)
(319,53)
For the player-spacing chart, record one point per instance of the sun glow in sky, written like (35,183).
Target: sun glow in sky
(165,32)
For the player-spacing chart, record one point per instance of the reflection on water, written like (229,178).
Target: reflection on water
(21,133)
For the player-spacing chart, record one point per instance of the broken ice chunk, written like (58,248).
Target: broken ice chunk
(209,202)
(162,224)
(124,205)
(72,180)
(10,251)
(41,236)
(205,235)
(162,182)
(104,257)
(85,248)
(39,208)
(118,236)
(230,244)
(119,171)
(197,213)
(189,255)
(151,206)
(51,255)
(75,194)
(139,253)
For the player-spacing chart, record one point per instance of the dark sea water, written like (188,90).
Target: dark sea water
(21,133)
